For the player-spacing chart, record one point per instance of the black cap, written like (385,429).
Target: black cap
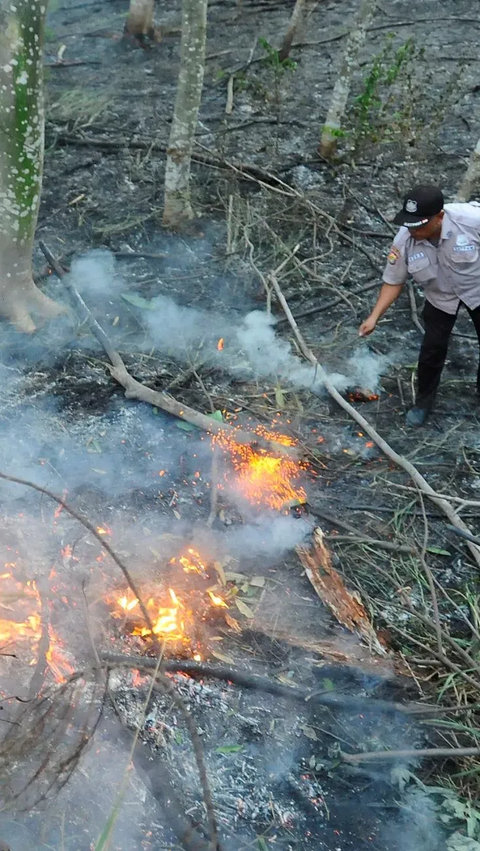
(419,205)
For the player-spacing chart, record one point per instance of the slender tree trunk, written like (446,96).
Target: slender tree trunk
(471,176)
(294,24)
(140,19)
(21,158)
(341,91)
(178,207)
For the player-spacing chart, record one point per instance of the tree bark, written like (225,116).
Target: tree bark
(471,176)
(140,19)
(178,207)
(294,24)
(21,158)
(341,90)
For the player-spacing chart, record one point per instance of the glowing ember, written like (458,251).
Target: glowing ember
(217,601)
(220,344)
(104,530)
(265,479)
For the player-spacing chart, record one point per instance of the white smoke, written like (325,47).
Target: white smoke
(251,346)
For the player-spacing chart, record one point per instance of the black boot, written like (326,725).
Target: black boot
(416,416)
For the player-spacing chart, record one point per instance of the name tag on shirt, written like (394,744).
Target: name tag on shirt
(418,256)
(462,248)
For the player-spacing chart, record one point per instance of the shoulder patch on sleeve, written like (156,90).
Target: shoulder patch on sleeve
(393,255)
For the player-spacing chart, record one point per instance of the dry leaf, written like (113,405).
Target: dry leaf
(232,623)
(223,657)
(220,572)
(258,581)
(234,577)
(243,608)
(309,732)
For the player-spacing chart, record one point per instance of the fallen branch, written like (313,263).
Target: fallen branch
(373,756)
(382,444)
(298,694)
(392,546)
(136,390)
(389,546)
(319,308)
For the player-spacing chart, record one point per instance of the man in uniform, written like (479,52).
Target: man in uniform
(439,246)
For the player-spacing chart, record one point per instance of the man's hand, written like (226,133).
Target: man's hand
(367,327)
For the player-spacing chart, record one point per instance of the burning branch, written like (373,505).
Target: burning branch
(382,444)
(136,390)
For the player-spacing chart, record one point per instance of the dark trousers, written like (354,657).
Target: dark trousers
(438,327)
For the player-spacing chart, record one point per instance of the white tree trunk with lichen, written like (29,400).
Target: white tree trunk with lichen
(341,90)
(293,26)
(471,176)
(21,158)
(140,18)
(178,207)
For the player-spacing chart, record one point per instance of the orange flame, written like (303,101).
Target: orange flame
(217,601)
(192,562)
(22,626)
(126,604)
(264,479)
(221,344)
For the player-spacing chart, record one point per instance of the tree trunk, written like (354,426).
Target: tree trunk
(21,158)
(341,91)
(178,207)
(140,19)
(471,176)
(295,21)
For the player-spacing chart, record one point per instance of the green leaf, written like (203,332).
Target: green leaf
(138,301)
(178,737)
(328,685)
(262,845)
(184,426)
(217,415)
(279,397)
(438,551)
(229,749)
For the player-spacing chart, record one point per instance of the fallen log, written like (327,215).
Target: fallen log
(136,390)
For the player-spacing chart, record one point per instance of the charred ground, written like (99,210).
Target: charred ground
(107,129)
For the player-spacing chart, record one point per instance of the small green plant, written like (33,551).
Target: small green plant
(397,103)
(373,119)
(272,58)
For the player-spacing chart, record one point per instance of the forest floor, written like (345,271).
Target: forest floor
(260,191)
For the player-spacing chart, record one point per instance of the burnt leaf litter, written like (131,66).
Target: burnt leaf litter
(275,768)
